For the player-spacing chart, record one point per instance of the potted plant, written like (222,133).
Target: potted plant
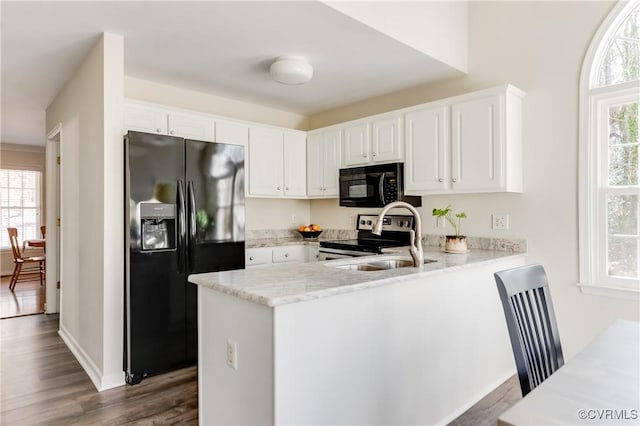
(454,243)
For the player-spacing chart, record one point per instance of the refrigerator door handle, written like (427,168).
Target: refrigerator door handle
(182,225)
(192,224)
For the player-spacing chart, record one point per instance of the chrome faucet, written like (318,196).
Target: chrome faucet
(415,249)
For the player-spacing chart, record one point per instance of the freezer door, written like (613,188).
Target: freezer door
(155,273)
(215,194)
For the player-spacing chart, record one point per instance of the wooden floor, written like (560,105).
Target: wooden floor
(489,408)
(27,299)
(43,384)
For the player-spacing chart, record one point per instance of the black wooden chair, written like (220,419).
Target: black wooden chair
(524,292)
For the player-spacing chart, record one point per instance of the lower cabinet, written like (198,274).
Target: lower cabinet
(262,256)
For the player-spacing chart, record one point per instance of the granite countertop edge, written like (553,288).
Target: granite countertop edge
(279,285)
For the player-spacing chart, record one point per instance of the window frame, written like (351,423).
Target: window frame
(38,207)
(593,164)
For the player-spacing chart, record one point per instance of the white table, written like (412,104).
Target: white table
(599,386)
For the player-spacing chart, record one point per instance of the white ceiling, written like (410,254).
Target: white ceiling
(224,48)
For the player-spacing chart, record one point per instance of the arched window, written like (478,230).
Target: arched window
(609,175)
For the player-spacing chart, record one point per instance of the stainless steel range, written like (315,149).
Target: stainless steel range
(395,233)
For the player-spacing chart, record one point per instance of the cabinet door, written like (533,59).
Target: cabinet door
(315,164)
(257,256)
(386,140)
(476,150)
(331,166)
(143,118)
(288,254)
(356,145)
(232,132)
(295,164)
(191,127)
(265,161)
(425,166)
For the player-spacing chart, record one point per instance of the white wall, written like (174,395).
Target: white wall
(89,108)
(423,25)
(539,47)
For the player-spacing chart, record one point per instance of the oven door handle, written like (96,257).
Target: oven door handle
(381,188)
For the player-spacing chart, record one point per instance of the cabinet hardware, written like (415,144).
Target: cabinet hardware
(441,180)
(454,180)
(172,132)
(158,130)
(278,188)
(251,258)
(374,154)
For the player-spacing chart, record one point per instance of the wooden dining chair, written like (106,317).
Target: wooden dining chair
(25,268)
(531,321)
(43,231)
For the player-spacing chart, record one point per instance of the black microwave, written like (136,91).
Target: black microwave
(374,186)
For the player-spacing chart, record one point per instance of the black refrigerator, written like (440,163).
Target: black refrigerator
(184,214)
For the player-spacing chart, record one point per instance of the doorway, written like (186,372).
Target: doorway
(53,220)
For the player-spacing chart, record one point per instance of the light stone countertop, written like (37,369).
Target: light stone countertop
(277,242)
(297,282)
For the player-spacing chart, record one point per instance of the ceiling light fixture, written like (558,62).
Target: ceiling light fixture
(291,70)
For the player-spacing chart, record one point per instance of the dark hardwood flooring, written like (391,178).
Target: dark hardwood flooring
(43,384)
(26,299)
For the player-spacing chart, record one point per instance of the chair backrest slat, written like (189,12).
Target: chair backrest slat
(524,292)
(15,247)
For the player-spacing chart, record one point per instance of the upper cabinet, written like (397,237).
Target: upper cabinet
(232,132)
(276,163)
(374,140)
(470,143)
(151,119)
(323,163)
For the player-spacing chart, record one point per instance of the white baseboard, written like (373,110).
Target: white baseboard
(95,375)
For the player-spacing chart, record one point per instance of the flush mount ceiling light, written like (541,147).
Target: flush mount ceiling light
(291,70)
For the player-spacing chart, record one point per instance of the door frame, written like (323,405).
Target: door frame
(53,172)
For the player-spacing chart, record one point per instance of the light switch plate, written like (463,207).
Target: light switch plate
(500,221)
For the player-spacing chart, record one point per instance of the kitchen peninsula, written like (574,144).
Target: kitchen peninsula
(313,343)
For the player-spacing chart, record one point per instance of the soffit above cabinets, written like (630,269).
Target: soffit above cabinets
(225,48)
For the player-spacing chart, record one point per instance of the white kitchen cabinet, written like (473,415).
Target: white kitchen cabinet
(191,126)
(144,118)
(266,161)
(323,163)
(470,143)
(376,140)
(386,140)
(312,253)
(277,163)
(294,253)
(152,119)
(257,256)
(355,147)
(264,256)
(232,132)
(426,166)
(295,164)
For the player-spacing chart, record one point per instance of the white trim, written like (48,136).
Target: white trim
(95,375)
(590,99)
(52,199)
(607,291)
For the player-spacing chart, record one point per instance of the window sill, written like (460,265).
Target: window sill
(616,292)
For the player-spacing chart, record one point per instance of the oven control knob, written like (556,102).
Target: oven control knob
(362,222)
(368,222)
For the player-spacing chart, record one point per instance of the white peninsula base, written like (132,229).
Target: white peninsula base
(417,351)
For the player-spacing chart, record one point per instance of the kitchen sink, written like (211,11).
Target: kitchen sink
(378,265)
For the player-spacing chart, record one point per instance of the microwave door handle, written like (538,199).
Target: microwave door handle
(381,188)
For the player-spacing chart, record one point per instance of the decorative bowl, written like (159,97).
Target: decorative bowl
(310,234)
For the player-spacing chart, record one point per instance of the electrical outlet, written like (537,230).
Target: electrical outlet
(294,219)
(500,221)
(440,222)
(232,354)
(352,222)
